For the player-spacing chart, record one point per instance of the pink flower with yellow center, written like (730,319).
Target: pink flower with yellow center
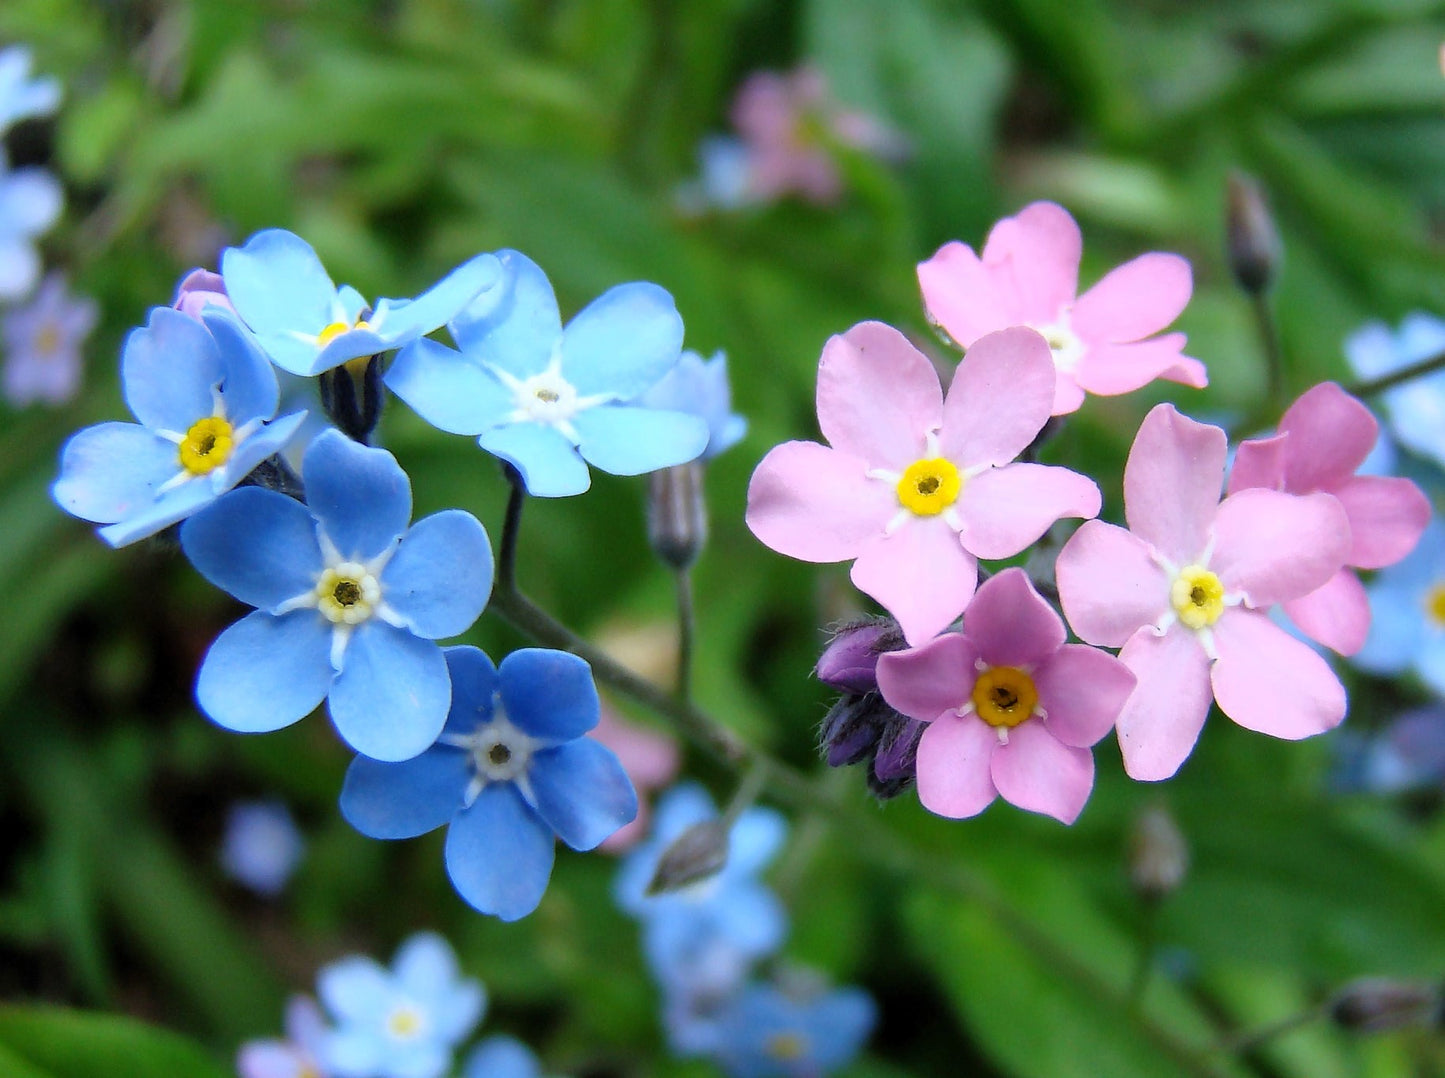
(1186,592)
(1103,342)
(914,487)
(1011,709)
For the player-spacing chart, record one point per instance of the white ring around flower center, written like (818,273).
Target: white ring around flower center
(347,593)
(1063,342)
(547,397)
(498,752)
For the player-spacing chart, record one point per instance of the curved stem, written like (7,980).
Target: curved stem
(686,629)
(1273,353)
(1371,386)
(511,525)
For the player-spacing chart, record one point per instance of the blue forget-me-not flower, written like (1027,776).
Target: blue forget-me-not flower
(511,770)
(550,400)
(700,387)
(349,601)
(22,97)
(308,325)
(261,845)
(1416,408)
(30,202)
(1407,608)
(766,1032)
(205,397)
(501,1056)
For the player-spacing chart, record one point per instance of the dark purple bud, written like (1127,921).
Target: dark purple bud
(1376,1004)
(1251,239)
(850,661)
(895,764)
(849,732)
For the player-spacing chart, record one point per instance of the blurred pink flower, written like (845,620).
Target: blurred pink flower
(1028,275)
(650,760)
(298,1056)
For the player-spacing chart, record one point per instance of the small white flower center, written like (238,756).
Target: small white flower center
(347,593)
(547,398)
(498,751)
(1063,342)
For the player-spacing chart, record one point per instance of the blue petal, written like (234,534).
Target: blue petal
(426,971)
(111,471)
(500,1056)
(258,545)
(249,381)
(582,792)
(170,508)
(549,694)
(1430,660)
(405,799)
(499,853)
(474,685)
(839,1024)
(626,440)
(470,286)
(515,325)
(168,370)
(270,439)
(359,494)
(345,346)
(549,463)
(751,918)
(423,961)
(391,697)
(755,840)
(266,672)
(622,342)
(277,284)
(356,990)
(448,389)
(441,575)
(295,355)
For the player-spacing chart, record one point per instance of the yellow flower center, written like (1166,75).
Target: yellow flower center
(404,1022)
(1004,696)
(1197,596)
(336,329)
(47,341)
(347,593)
(928,487)
(1435,604)
(207,445)
(786,1047)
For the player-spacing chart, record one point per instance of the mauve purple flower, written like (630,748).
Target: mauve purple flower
(200,289)
(42,344)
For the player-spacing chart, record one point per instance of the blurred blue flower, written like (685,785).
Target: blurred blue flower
(401,1023)
(1407,607)
(501,1056)
(22,97)
(725,178)
(30,202)
(769,1033)
(1407,754)
(511,770)
(1416,408)
(700,387)
(42,344)
(547,399)
(298,1056)
(307,325)
(261,845)
(205,397)
(349,601)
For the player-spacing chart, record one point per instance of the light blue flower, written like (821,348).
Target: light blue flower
(42,344)
(547,399)
(1407,608)
(501,1056)
(725,178)
(399,1023)
(307,325)
(511,770)
(22,97)
(30,202)
(261,846)
(1406,754)
(1417,407)
(768,1033)
(204,395)
(349,601)
(700,387)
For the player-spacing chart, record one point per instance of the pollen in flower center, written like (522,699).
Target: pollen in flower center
(336,329)
(1197,596)
(347,594)
(1435,604)
(404,1022)
(547,398)
(786,1047)
(1004,696)
(1063,342)
(928,487)
(207,445)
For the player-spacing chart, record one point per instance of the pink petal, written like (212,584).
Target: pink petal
(1258,462)
(1068,397)
(1337,614)
(877,396)
(1107,370)
(1161,720)
(1035,772)
(1010,623)
(1172,482)
(1109,584)
(650,759)
(953,766)
(1001,397)
(1274,546)
(962,296)
(1082,689)
(816,504)
(925,682)
(1005,509)
(1037,254)
(1387,517)
(921,575)
(1268,681)
(1330,435)
(1134,300)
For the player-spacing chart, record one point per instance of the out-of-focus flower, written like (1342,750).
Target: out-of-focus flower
(767,1032)
(42,344)
(1324,438)
(511,773)
(205,397)
(30,202)
(548,400)
(199,289)
(723,182)
(650,760)
(1186,593)
(298,1056)
(399,1023)
(1012,710)
(500,1056)
(1416,408)
(307,325)
(23,97)
(915,487)
(261,846)
(1407,603)
(1103,341)
(349,601)
(700,387)
(1408,754)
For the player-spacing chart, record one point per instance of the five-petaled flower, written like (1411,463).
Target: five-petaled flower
(349,601)
(1028,275)
(914,486)
(1186,591)
(511,771)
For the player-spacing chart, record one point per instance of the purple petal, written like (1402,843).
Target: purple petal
(1010,623)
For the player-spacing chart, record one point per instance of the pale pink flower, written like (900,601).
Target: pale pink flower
(1185,591)
(650,760)
(1103,341)
(1323,438)
(298,1056)
(1011,709)
(915,487)
(199,289)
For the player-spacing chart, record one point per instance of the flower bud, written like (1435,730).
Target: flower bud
(677,513)
(1376,1004)
(352,396)
(1251,240)
(850,661)
(697,854)
(200,289)
(1158,854)
(895,764)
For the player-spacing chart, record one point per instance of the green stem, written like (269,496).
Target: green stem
(1250,1039)
(511,525)
(1148,948)
(1273,353)
(1371,386)
(686,629)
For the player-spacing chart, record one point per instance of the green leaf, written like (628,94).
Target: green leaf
(43,1042)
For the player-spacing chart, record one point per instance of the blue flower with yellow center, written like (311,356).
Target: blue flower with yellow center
(767,1032)
(1407,613)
